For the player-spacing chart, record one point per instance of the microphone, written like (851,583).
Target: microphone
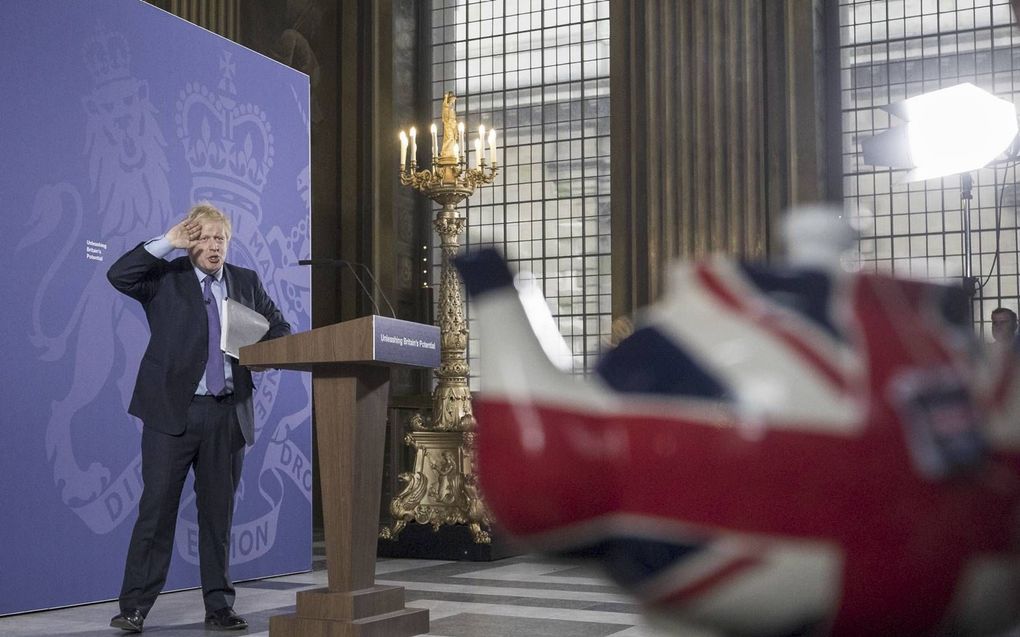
(350,266)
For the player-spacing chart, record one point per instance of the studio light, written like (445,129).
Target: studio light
(949,131)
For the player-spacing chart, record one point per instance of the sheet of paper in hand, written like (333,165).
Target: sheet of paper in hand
(241,326)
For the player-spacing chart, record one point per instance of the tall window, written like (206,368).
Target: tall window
(538,71)
(895,49)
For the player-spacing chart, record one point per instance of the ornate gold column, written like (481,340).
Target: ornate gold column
(451,401)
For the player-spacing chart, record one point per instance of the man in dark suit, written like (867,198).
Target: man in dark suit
(195,404)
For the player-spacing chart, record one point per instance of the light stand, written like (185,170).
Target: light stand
(970,282)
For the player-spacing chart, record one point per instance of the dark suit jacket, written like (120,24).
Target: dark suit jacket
(175,359)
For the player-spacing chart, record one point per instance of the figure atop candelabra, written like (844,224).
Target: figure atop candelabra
(449,179)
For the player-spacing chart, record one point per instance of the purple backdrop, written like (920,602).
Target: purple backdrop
(116,117)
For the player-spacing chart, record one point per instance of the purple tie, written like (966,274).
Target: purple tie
(214,380)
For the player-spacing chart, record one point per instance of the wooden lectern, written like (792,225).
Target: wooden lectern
(350,364)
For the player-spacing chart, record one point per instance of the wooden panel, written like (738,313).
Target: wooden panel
(350,408)
(344,605)
(406,622)
(348,342)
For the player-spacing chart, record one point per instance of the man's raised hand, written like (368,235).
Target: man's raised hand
(185,234)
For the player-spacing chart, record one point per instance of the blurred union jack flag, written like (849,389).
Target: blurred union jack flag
(770,452)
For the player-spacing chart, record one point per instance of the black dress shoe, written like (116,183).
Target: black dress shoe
(129,620)
(225,619)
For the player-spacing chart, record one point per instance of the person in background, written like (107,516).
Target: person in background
(1004,324)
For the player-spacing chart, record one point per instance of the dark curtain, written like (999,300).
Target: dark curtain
(718,121)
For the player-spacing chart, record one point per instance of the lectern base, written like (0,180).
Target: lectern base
(372,612)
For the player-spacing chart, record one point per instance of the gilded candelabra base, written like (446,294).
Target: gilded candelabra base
(440,488)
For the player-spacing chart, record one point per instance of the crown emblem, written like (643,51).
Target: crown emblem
(107,56)
(228,146)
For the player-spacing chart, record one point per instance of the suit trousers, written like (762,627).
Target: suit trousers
(212,445)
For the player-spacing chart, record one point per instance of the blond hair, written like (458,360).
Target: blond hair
(205,211)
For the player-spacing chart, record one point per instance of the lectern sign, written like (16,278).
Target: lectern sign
(406,343)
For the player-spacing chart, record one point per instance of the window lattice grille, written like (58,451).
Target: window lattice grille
(895,49)
(537,71)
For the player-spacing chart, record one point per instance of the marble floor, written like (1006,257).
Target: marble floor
(533,596)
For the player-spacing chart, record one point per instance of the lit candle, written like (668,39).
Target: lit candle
(435,142)
(414,145)
(481,144)
(403,150)
(478,153)
(492,146)
(460,142)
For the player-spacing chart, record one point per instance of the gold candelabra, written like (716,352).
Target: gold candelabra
(441,487)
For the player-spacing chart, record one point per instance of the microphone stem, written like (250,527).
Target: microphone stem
(364,288)
(376,285)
